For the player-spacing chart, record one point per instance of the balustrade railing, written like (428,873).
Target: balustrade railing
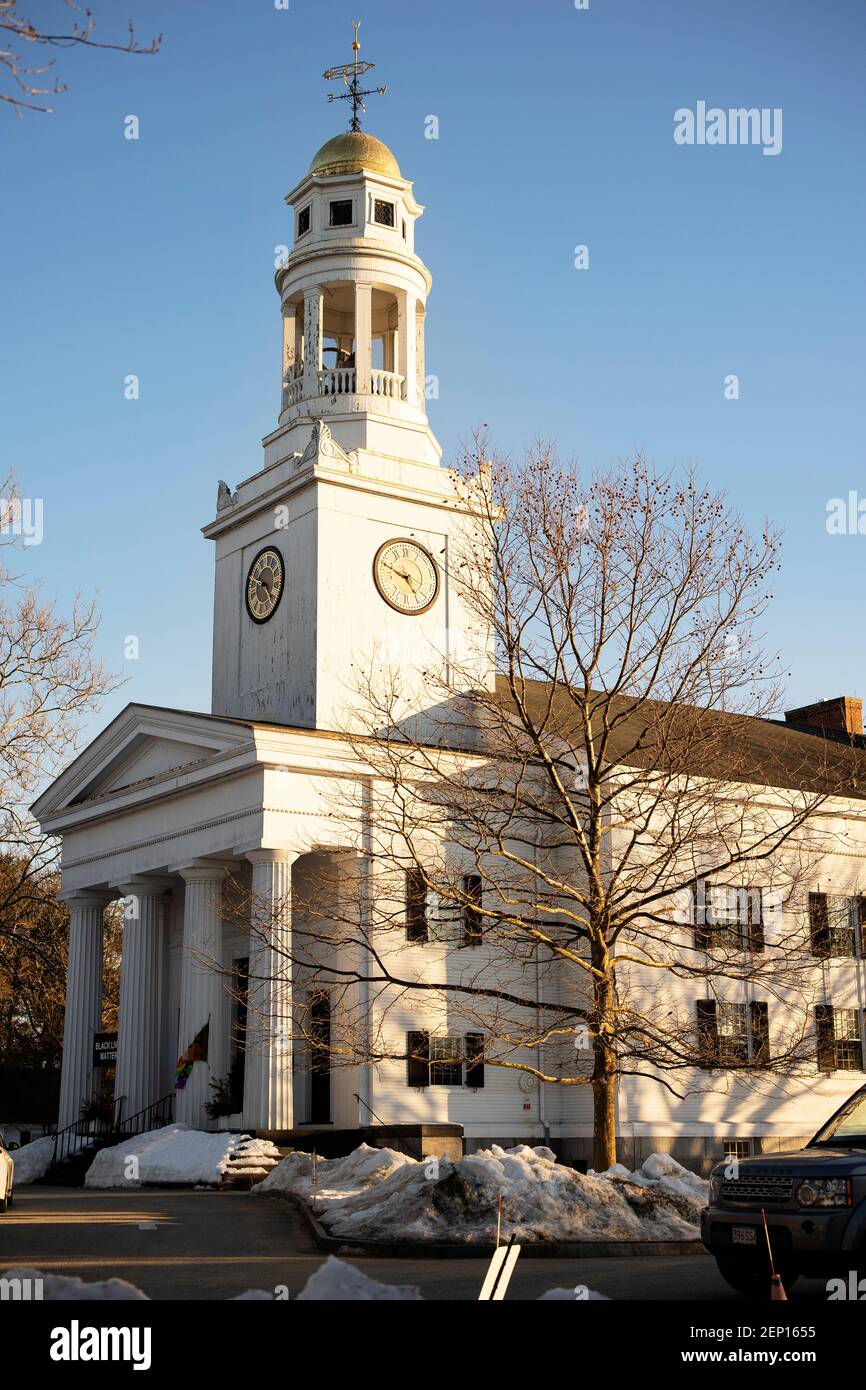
(337,381)
(388,384)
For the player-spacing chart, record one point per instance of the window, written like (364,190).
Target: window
(729,916)
(436,917)
(737,1148)
(445,1060)
(733,1035)
(342,213)
(834,924)
(383,212)
(304,221)
(838,1033)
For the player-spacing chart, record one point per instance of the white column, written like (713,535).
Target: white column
(406,334)
(203,997)
(140,1014)
(268,1099)
(313,315)
(289,350)
(83,1003)
(363,337)
(420,378)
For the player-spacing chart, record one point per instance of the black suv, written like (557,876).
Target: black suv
(815,1203)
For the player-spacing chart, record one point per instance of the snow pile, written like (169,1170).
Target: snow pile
(337,1179)
(175,1154)
(377,1194)
(662,1174)
(579,1295)
(337,1281)
(59,1287)
(33,1161)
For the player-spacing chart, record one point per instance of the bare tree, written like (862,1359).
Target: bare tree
(50,680)
(602,841)
(20,35)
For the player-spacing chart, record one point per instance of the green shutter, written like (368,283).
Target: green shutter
(416,906)
(760,1018)
(819,928)
(825,1037)
(708,1033)
(418,1059)
(475,1060)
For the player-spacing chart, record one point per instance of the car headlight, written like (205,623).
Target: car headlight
(823,1192)
(715,1189)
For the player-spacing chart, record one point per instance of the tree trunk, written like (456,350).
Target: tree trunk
(604,1064)
(604,1121)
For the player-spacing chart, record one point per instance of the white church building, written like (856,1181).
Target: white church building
(165,806)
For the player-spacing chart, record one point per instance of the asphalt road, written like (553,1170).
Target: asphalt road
(215,1245)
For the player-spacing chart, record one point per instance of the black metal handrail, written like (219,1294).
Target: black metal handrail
(151,1117)
(361,1101)
(83,1132)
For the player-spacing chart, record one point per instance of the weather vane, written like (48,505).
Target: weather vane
(350,73)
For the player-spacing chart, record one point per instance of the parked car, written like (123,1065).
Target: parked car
(814,1200)
(7,1174)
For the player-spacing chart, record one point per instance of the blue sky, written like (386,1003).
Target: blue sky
(155,257)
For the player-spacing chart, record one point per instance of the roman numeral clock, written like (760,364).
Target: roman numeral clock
(406,575)
(264,587)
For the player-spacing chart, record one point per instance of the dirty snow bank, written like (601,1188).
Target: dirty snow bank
(32,1161)
(377,1194)
(57,1287)
(175,1154)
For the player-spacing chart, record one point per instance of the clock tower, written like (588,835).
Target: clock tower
(332,561)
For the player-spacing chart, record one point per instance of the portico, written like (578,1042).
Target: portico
(228,803)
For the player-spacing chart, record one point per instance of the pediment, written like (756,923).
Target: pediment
(148,757)
(144,746)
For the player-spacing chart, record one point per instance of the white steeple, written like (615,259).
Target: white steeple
(334,557)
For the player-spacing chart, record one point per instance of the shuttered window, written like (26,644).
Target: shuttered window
(445,1060)
(835,924)
(732,1035)
(839,1038)
(728,916)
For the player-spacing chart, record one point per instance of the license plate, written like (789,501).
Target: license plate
(744,1235)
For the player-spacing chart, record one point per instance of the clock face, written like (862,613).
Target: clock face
(406,575)
(265,584)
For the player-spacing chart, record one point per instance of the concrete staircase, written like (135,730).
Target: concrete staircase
(71,1171)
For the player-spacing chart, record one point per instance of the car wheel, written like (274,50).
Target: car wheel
(753,1279)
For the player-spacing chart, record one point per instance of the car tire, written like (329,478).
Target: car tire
(752,1279)
(4,1202)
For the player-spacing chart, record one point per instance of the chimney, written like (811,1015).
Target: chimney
(841,715)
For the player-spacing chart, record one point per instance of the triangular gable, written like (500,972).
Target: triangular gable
(145,743)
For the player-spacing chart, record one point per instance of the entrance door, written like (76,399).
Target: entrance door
(320,1071)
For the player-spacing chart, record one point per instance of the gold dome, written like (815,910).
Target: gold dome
(353,151)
